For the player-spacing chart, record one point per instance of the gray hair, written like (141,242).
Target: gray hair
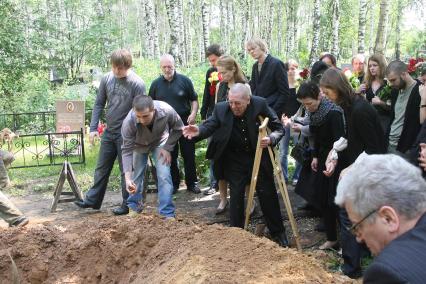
(374,181)
(397,67)
(168,57)
(240,88)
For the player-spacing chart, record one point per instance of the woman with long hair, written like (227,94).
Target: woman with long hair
(376,90)
(327,125)
(363,133)
(230,73)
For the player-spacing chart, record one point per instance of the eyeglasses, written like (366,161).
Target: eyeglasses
(354,228)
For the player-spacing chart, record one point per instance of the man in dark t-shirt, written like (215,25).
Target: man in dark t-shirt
(178,91)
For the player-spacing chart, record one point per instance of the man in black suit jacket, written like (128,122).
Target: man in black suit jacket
(235,128)
(385,198)
(268,76)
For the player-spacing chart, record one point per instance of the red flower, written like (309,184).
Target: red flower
(212,89)
(101,128)
(304,74)
(412,62)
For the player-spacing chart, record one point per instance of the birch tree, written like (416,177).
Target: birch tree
(362,22)
(316,32)
(335,28)
(379,47)
(205,23)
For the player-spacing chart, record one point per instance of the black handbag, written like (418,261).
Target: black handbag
(301,152)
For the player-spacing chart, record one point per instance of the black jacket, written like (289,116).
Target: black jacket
(403,260)
(364,132)
(208,100)
(271,83)
(221,122)
(411,126)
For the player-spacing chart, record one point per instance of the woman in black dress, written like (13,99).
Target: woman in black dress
(376,90)
(230,73)
(327,126)
(363,133)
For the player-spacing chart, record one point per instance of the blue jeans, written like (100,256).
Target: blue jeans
(284,145)
(165,186)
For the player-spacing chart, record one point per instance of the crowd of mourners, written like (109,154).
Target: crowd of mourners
(360,149)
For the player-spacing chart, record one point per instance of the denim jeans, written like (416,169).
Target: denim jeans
(109,151)
(165,186)
(284,145)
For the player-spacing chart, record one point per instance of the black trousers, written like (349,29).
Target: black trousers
(238,170)
(352,251)
(109,152)
(187,151)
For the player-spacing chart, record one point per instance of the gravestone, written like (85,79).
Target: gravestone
(70,116)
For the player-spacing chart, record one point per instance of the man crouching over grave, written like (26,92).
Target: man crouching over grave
(235,127)
(385,198)
(150,127)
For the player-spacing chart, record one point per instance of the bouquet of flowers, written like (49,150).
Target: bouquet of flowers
(385,94)
(415,66)
(213,80)
(352,78)
(303,76)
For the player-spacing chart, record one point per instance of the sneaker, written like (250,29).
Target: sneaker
(294,182)
(209,191)
(21,222)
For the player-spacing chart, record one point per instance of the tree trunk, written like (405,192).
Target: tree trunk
(172,11)
(399,11)
(372,25)
(182,33)
(151,31)
(188,26)
(269,19)
(381,28)
(245,7)
(335,28)
(280,4)
(362,25)
(316,32)
(224,23)
(206,31)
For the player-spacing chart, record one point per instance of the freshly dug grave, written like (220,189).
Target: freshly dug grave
(147,249)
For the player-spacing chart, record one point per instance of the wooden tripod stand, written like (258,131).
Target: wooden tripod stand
(280,180)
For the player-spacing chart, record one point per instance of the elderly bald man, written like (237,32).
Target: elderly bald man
(234,127)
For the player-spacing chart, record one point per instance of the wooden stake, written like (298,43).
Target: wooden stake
(280,180)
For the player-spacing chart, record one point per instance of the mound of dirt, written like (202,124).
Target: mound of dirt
(148,249)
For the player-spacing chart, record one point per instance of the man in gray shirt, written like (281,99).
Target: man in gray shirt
(117,89)
(150,127)
(405,117)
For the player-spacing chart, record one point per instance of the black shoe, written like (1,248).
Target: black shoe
(210,191)
(83,204)
(21,222)
(194,189)
(354,275)
(120,211)
(280,239)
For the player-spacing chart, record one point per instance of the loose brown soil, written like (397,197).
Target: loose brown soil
(92,246)
(147,249)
